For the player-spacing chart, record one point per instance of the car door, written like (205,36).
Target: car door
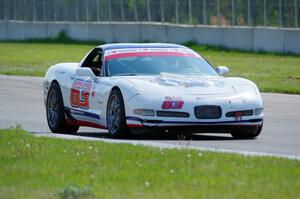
(83,104)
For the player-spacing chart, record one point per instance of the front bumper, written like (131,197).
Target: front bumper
(198,128)
(136,122)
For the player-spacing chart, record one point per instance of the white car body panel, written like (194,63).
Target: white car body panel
(222,91)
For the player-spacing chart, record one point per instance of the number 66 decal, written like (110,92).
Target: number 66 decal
(80,93)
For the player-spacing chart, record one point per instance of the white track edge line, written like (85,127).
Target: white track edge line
(169,146)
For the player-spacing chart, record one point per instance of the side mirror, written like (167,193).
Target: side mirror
(222,70)
(86,72)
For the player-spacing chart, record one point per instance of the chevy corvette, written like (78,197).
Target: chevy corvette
(153,87)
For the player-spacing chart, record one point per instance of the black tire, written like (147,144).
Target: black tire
(115,115)
(246,132)
(55,112)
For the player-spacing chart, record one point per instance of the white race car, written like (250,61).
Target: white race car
(156,87)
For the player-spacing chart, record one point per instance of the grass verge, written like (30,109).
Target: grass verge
(271,72)
(32,167)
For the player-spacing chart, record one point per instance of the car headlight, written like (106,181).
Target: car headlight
(144,112)
(258,111)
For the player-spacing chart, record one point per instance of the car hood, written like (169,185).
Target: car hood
(175,85)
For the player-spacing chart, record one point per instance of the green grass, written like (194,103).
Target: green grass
(271,72)
(33,59)
(32,167)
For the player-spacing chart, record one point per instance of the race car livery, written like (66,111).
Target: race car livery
(150,87)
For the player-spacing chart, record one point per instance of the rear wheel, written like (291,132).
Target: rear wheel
(55,112)
(246,132)
(115,115)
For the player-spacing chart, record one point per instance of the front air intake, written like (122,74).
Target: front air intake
(239,113)
(208,112)
(172,114)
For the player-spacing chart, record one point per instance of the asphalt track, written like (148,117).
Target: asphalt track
(21,101)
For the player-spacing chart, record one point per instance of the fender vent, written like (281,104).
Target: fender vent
(172,114)
(208,112)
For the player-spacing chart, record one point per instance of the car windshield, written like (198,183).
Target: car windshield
(157,63)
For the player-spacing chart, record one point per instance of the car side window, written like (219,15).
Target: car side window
(94,61)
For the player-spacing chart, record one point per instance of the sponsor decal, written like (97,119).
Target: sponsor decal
(80,93)
(168,80)
(139,52)
(172,103)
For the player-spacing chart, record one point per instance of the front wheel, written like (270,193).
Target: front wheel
(55,112)
(115,115)
(246,132)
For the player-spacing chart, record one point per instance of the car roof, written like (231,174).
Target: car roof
(139,45)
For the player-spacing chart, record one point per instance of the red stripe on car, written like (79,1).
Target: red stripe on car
(142,54)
